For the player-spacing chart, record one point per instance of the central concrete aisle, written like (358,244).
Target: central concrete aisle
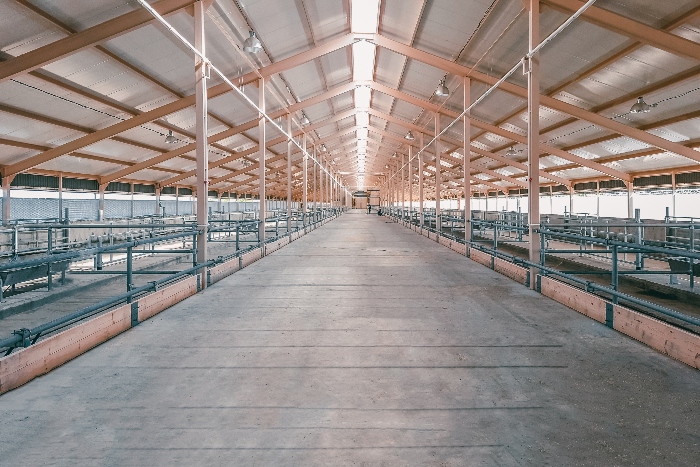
(362,343)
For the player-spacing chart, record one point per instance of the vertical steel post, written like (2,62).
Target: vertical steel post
(101,209)
(403,186)
(329,184)
(673,193)
(202,149)
(60,197)
(158,210)
(614,271)
(305,185)
(129,269)
(410,182)
(6,181)
(691,261)
(289,172)
(261,160)
(131,204)
(533,135)
(421,181)
(438,175)
(630,199)
(466,165)
(315,184)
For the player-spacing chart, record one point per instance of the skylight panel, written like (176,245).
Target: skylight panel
(365,16)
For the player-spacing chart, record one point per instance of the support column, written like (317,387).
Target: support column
(6,182)
(101,211)
(131,207)
(410,182)
(438,175)
(403,186)
(321,180)
(261,161)
(466,164)
(630,199)
(396,186)
(305,183)
(159,211)
(315,183)
(571,200)
(289,171)
(202,149)
(60,197)
(421,180)
(533,134)
(673,194)
(329,186)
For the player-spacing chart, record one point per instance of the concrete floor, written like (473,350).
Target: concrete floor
(362,343)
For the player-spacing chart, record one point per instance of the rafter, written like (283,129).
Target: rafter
(633,29)
(110,29)
(502,132)
(545,101)
(180,104)
(459,147)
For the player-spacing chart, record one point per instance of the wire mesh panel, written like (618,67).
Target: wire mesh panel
(169,206)
(185,207)
(82,209)
(144,207)
(33,208)
(117,208)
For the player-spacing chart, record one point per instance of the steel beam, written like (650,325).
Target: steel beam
(99,33)
(546,101)
(533,137)
(202,145)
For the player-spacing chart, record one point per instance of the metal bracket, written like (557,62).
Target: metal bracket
(134,314)
(527,65)
(609,314)
(24,333)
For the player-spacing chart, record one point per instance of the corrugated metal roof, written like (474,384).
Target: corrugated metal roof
(144,69)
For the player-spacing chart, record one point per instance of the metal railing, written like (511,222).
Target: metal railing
(615,247)
(220,230)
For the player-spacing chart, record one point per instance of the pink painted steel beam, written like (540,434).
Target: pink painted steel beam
(502,132)
(545,101)
(633,29)
(99,33)
(185,102)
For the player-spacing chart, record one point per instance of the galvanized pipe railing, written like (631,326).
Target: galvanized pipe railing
(25,337)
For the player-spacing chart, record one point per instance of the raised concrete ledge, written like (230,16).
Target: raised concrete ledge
(585,303)
(481,257)
(26,364)
(667,339)
(38,359)
(511,270)
(663,337)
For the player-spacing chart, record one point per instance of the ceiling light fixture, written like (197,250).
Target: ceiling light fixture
(324,148)
(409,136)
(252,45)
(641,107)
(170,139)
(442,89)
(304,119)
